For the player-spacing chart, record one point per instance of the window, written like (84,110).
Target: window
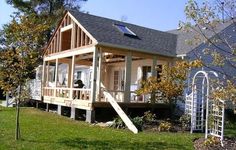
(119,77)
(79,75)
(147,72)
(125,30)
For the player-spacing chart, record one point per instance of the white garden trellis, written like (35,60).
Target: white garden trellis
(206,113)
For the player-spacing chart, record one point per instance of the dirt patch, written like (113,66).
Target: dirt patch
(229,144)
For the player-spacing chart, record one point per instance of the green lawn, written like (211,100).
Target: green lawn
(43,130)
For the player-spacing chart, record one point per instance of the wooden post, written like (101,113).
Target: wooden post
(128,65)
(60,40)
(154,63)
(154,74)
(47,75)
(56,72)
(72,36)
(99,76)
(94,75)
(43,78)
(72,76)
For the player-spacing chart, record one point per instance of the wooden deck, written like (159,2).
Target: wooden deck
(130,105)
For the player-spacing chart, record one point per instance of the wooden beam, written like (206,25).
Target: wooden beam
(73,36)
(94,41)
(94,76)
(154,64)
(68,27)
(128,65)
(69,53)
(78,36)
(72,76)
(56,72)
(60,40)
(43,78)
(81,38)
(99,75)
(48,65)
(84,62)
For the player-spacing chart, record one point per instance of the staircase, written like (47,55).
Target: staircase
(119,111)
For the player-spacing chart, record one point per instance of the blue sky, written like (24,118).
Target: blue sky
(157,14)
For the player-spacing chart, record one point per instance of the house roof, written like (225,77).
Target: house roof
(148,40)
(182,46)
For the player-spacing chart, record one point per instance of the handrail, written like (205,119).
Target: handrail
(119,111)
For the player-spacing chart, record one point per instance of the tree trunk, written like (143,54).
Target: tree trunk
(17,136)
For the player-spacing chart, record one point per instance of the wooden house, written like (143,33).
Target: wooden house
(113,57)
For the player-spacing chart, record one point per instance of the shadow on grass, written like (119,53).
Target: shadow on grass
(116,144)
(83,143)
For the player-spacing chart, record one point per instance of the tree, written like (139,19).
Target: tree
(172,81)
(22,41)
(49,11)
(213,24)
(20,56)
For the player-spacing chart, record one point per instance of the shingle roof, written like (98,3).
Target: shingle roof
(182,46)
(149,40)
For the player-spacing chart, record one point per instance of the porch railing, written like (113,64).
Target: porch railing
(64,92)
(134,98)
(81,94)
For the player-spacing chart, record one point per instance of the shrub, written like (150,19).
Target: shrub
(118,123)
(211,141)
(164,126)
(138,122)
(149,117)
(185,121)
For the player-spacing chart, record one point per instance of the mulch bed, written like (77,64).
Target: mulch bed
(229,144)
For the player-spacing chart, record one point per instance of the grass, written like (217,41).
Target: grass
(43,130)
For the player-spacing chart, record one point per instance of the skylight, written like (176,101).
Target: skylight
(125,30)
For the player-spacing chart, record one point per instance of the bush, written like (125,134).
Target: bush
(185,121)
(149,117)
(211,141)
(138,122)
(165,126)
(118,123)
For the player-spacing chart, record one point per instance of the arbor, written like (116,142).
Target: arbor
(213,24)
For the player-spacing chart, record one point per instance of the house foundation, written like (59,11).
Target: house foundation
(72,113)
(90,116)
(60,110)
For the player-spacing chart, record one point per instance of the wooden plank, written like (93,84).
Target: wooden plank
(154,64)
(128,65)
(72,36)
(72,76)
(82,28)
(76,51)
(81,38)
(120,112)
(60,39)
(43,77)
(94,75)
(48,64)
(56,72)
(117,49)
(99,75)
(68,27)
(58,42)
(78,36)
